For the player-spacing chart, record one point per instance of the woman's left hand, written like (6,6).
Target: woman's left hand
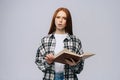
(71,62)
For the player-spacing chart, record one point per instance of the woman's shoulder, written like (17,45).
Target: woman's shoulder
(74,37)
(47,36)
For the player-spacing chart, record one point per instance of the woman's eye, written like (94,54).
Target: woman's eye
(64,18)
(57,17)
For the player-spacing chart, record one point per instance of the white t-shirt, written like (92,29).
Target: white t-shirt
(59,46)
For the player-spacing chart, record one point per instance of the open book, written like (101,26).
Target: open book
(65,54)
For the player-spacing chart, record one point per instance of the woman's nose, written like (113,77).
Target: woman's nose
(60,20)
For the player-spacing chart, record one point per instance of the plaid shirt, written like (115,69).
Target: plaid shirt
(47,46)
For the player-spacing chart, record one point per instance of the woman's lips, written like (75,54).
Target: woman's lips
(60,24)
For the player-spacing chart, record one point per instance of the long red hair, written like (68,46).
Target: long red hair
(68,28)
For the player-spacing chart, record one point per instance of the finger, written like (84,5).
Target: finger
(72,60)
(51,56)
(48,55)
(46,58)
(68,62)
(71,63)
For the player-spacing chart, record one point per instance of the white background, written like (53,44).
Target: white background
(24,22)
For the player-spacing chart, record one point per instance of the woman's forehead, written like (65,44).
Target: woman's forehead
(61,13)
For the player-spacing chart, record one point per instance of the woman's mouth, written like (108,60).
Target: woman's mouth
(60,24)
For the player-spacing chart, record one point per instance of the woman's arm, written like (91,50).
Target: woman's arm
(40,58)
(78,67)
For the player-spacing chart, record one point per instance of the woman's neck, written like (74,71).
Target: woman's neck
(60,31)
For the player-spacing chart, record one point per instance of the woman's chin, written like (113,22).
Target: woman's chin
(60,28)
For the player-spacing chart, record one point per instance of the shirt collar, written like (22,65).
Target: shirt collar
(68,36)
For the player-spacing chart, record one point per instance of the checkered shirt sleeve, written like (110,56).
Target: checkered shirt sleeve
(41,52)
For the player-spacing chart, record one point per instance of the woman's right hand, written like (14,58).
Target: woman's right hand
(49,58)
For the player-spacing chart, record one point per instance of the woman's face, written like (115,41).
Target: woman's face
(60,20)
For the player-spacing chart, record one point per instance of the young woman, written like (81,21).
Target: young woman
(60,36)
